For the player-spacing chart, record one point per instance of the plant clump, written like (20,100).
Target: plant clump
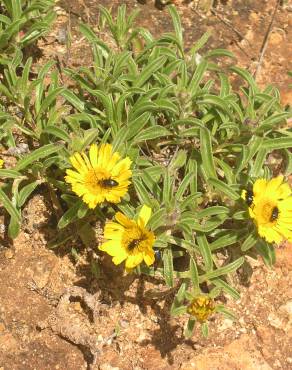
(178,165)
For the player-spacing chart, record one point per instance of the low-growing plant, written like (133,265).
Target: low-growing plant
(155,143)
(21,23)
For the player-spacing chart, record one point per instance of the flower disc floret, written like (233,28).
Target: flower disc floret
(103,176)
(201,307)
(129,240)
(271,209)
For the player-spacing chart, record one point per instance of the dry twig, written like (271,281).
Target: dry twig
(265,41)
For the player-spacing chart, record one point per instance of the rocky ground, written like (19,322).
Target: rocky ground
(56,312)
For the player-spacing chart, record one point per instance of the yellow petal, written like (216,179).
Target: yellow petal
(112,198)
(104,155)
(259,187)
(273,184)
(285,205)
(149,258)
(144,216)
(93,155)
(119,258)
(134,260)
(113,160)
(121,166)
(270,234)
(75,176)
(77,166)
(81,161)
(284,191)
(123,220)
(110,247)
(112,228)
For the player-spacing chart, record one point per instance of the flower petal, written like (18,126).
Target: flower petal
(273,184)
(149,258)
(134,260)
(123,220)
(259,187)
(144,216)
(93,155)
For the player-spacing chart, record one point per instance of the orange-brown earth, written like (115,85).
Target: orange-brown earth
(122,326)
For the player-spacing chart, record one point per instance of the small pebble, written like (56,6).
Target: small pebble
(9,254)
(62,35)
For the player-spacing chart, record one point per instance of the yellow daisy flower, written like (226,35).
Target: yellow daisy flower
(201,307)
(103,176)
(129,240)
(270,206)
(1,163)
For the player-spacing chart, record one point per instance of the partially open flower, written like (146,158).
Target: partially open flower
(201,307)
(270,206)
(129,240)
(104,176)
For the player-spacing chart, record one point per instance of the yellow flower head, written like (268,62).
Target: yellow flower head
(270,206)
(129,240)
(104,176)
(201,307)
(1,163)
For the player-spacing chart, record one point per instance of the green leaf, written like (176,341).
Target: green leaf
(176,311)
(194,275)
(57,132)
(228,314)
(190,328)
(246,76)
(226,288)
(151,133)
(148,71)
(70,215)
(73,99)
(200,43)
(167,188)
(25,192)
(267,251)
(216,101)
(184,185)
(249,242)
(50,99)
(142,193)
(176,23)
(37,154)
(8,205)
(225,240)
(197,77)
(11,174)
(120,139)
(181,293)
(205,251)
(92,37)
(225,270)
(137,124)
(157,219)
(258,163)
(219,53)
(224,188)
(277,143)
(168,267)
(213,211)
(14,228)
(206,153)
(205,329)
